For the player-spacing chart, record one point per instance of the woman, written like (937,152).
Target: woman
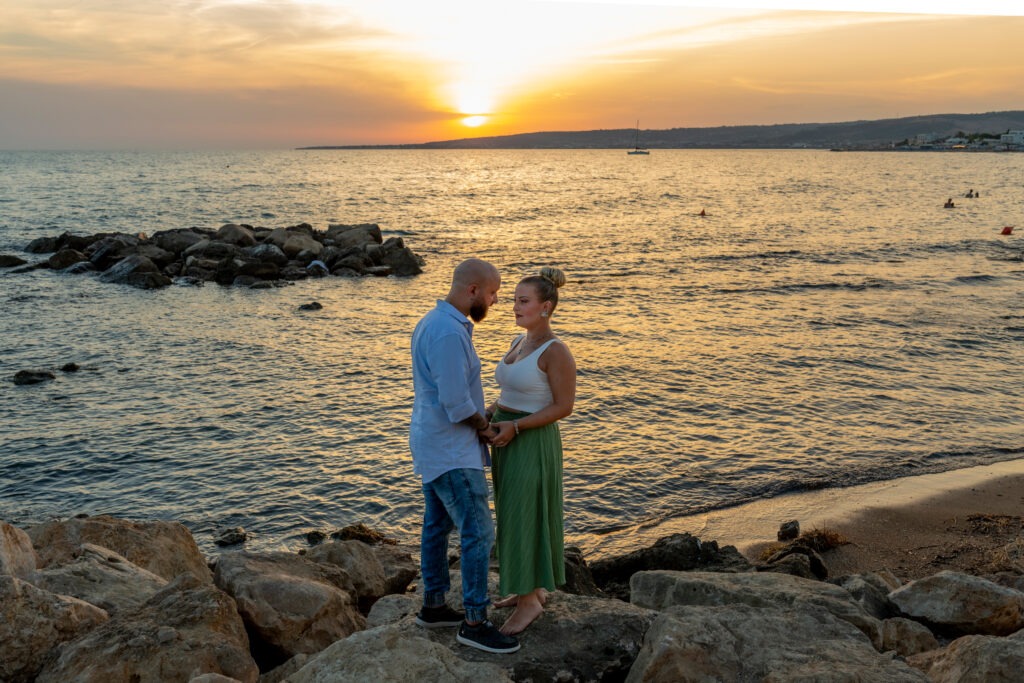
(538,388)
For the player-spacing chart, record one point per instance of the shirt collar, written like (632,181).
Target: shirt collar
(457,314)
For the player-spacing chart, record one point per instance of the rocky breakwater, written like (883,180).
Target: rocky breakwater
(103,599)
(240,255)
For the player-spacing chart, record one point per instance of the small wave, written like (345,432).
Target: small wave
(969,279)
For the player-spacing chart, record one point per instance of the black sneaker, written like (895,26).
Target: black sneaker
(485,636)
(439,617)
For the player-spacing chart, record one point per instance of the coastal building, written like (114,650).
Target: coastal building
(1013,137)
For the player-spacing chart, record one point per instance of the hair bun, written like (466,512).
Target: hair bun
(553,275)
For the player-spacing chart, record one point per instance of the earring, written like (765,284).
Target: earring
(543,314)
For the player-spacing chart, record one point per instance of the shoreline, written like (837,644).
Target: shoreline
(886,522)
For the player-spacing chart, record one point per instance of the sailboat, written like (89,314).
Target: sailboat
(637,149)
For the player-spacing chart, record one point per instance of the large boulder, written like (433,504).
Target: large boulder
(871,591)
(10,260)
(292,241)
(65,258)
(211,249)
(268,252)
(358,235)
(906,637)
(411,658)
(660,590)
(101,577)
(109,249)
(399,567)
(239,235)
(975,659)
(678,552)
(290,604)
(138,271)
(960,604)
(165,548)
(360,563)
(178,240)
(736,642)
(34,621)
(17,556)
(578,638)
(42,245)
(187,629)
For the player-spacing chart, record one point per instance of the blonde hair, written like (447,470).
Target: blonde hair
(547,282)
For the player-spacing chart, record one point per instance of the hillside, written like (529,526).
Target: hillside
(878,133)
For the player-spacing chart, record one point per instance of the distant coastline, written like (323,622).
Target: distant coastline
(877,135)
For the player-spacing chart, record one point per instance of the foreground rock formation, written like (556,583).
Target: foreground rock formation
(240,255)
(111,600)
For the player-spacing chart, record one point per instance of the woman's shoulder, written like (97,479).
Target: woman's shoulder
(557,352)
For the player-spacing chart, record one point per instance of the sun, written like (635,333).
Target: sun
(474,121)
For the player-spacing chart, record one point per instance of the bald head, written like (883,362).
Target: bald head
(474,289)
(474,271)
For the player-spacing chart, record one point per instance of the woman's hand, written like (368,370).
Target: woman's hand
(506,432)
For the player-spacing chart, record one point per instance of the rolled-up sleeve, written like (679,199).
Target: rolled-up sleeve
(448,363)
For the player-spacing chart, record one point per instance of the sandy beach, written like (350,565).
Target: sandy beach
(968,520)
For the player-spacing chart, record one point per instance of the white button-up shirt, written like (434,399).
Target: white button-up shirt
(446,382)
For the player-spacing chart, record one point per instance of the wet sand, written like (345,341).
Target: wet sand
(969,520)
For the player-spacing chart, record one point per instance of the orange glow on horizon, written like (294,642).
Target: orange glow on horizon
(474,121)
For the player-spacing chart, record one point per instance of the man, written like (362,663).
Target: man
(447,439)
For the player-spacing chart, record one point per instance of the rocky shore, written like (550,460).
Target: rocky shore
(240,255)
(108,599)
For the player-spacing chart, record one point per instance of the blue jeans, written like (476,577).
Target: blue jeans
(458,498)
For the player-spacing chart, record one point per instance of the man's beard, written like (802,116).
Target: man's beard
(478,311)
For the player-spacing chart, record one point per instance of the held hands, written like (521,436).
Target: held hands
(506,431)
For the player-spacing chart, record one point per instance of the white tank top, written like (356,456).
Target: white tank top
(524,386)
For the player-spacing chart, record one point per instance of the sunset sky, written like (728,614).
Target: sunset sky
(192,74)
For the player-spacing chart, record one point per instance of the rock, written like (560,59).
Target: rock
(316,536)
(214,678)
(360,563)
(70,367)
(794,564)
(281,673)
(9,261)
(177,241)
(788,531)
(23,377)
(393,608)
(906,637)
(239,235)
(578,638)
(317,268)
(871,591)
(735,642)
(17,557)
(345,236)
(161,257)
(107,251)
(101,577)
(42,245)
(292,273)
(34,621)
(960,604)
(232,536)
(578,579)
(65,258)
(311,306)
(268,252)
(80,268)
(298,243)
(289,604)
(660,590)
(378,271)
(211,249)
(187,629)
(165,548)
(678,551)
(399,567)
(403,262)
(137,271)
(974,659)
(411,658)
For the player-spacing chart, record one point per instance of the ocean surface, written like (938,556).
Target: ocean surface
(827,323)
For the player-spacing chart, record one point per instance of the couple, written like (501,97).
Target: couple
(449,436)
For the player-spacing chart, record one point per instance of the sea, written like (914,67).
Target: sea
(746,324)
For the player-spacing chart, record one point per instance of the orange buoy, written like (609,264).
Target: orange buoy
(702,213)
(1007,230)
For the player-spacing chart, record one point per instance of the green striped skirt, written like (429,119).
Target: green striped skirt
(527,475)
